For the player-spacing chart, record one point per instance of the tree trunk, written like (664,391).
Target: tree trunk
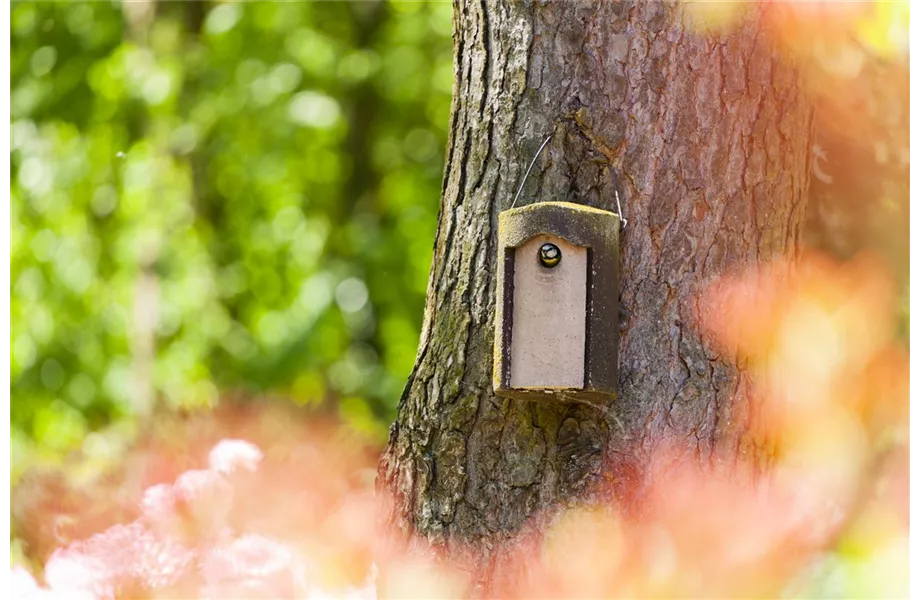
(709,138)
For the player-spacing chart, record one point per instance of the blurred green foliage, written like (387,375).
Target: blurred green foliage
(217,197)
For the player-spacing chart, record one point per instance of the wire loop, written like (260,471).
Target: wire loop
(616,192)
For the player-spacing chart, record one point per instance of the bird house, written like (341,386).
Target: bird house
(557,303)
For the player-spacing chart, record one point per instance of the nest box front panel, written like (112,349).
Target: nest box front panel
(556,303)
(548,329)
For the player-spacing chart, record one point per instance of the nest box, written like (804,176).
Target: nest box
(557,303)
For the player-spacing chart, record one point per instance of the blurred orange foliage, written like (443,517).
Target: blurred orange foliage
(294,513)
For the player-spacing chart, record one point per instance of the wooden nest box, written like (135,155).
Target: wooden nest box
(557,313)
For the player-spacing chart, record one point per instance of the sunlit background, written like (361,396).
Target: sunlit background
(218,199)
(222,225)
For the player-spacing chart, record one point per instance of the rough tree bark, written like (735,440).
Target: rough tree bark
(709,136)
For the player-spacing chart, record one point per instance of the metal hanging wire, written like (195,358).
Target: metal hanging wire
(532,162)
(616,193)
